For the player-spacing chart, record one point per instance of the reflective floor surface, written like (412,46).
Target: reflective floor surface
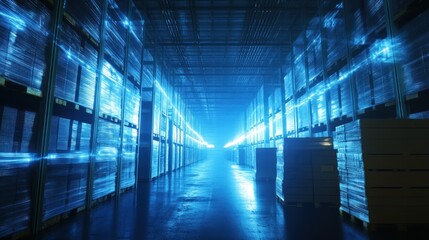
(213,199)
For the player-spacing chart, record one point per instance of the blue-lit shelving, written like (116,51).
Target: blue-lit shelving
(116,27)
(24,42)
(108,142)
(129,154)
(67,166)
(87,15)
(17,157)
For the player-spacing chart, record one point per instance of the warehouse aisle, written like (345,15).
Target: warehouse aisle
(214,199)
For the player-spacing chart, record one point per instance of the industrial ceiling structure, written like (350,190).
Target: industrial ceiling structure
(220,52)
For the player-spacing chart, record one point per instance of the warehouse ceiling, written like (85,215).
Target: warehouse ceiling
(219,52)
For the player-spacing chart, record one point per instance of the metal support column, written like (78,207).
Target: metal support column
(324,74)
(124,84)
(401,110)
(294,91)
(283,101)
(137,173)
(44,120)
(265,92)
(307,86)
(352,78)
(90,181)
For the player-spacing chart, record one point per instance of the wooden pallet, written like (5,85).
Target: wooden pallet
(326,205)
(62,216)
(25,234)
(126,189)
(307,204)
(372,227)
(102,199)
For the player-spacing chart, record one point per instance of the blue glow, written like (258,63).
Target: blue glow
(131,29)
(247,190)
(69,54)
(13,19)
(380,52)
(22,19)
(16,158)
(125,22)
(200,139)
(107,151)
(330,22)
(74,57)
(251,133)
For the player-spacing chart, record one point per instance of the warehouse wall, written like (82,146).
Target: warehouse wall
(72,91)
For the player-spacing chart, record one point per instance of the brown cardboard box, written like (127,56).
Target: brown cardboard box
(394,215)
(397,179)
(396,161)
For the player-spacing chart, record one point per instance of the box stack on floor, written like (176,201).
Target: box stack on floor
(310,172)
(384,170)
(266,164)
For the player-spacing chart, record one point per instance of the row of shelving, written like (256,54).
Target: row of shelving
(352,69)
(23,61)
(263,124)
(75,122)
(82,144)
(354,60)
(171,143)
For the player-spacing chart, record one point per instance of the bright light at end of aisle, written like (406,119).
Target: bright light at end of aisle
(243,137)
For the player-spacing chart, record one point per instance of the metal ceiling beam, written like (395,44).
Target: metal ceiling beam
(218,99)
(233,44)
(237,66)
(234,89)
(225,74)
(309,8)
(217,85)
(224,109)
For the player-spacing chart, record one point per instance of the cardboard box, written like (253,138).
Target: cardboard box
(392,214)
(266,167)
(396,162)
(298,198)
(397,179)
(333,199)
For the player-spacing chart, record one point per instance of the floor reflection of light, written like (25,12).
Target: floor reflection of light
(246,189)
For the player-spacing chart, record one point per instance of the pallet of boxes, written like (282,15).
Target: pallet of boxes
(310,175)
(265,169)
(384,171)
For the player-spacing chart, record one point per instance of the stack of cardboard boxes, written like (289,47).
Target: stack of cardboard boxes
(384,170)
(266,164)
(310,172)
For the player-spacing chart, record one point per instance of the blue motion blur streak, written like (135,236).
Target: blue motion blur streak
(14,17)
(200,139)
(14,20)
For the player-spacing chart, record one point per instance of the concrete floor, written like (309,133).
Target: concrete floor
(213,199)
